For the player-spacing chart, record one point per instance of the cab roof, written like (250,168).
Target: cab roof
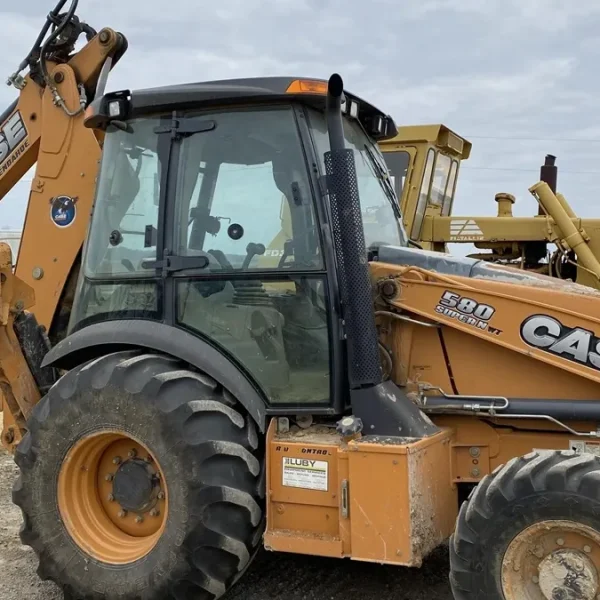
(253,90)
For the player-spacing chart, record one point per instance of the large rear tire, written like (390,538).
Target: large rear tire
(141,479)
(531,531)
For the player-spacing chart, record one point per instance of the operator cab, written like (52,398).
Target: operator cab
(424,161)
(211,216)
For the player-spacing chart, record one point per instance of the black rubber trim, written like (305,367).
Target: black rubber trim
(101,338)
(577,410)
(386,410)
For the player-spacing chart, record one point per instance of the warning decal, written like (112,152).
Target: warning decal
(584,447)
(305,473)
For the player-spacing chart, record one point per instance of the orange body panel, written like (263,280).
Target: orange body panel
(322,500)
(479,447)
(494,360)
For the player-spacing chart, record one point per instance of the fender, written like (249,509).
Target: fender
(101,338)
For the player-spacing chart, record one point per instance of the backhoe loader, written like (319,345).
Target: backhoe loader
(424,163)
(174,402)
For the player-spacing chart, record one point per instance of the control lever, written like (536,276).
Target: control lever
(252,250)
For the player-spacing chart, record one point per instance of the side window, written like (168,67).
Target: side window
(423,196)
(449,198)
(126,210)
(440,179)
(248,207)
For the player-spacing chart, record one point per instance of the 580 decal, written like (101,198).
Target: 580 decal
(466,310)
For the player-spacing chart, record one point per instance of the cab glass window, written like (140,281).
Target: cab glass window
(423,196)
(449,197)
(125,217)
(397,163)
(441,175)
(247,206)
(379,204)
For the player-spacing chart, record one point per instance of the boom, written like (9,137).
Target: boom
(45,125)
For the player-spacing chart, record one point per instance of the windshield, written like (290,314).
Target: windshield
(379,204)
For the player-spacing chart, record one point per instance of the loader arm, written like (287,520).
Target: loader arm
(498,318)
(45,126)
(67,155)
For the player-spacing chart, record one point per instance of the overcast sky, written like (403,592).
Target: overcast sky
(516,77)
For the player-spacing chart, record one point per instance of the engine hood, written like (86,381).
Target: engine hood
(448,264)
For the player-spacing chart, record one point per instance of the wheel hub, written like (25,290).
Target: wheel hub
(112,497)
(553,560)
(135,486)
(568,575)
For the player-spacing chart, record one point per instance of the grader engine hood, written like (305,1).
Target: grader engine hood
(448,264)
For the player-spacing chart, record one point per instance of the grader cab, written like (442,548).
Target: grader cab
(424,163)
(355,398)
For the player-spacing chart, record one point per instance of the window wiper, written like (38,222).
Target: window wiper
(383,177)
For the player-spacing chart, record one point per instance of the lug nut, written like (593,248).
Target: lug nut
(122,514)
(535,579)
(109,477)
(111,498)
(161,495)
(154,512)
(587,549)
(132,453)
(560,542)
(139,519)
(117,460)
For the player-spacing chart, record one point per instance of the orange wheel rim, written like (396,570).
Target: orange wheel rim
(551,556)
(112,497)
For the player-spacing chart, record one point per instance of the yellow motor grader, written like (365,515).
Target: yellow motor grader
(424,162)
(175,401)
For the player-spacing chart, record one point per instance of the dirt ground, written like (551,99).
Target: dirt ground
(271,577)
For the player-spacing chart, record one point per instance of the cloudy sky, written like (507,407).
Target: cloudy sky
(516,77)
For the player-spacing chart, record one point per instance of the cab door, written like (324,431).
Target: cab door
(244,202)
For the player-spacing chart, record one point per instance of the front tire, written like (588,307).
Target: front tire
(531,531)
(140,479)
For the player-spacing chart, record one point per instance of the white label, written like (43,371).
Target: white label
(582,447)
(578,446)
(305,473)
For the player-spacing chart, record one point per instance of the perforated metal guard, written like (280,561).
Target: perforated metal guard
(364,367)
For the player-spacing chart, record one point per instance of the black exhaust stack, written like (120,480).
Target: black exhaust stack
(383,408)
(549,174)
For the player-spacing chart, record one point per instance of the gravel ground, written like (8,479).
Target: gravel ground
(271,577)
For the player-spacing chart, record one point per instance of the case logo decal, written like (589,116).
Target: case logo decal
(13,141)
(63,210)
(571,343)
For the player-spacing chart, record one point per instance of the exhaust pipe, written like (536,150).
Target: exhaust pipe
(383,408)
(549,175)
